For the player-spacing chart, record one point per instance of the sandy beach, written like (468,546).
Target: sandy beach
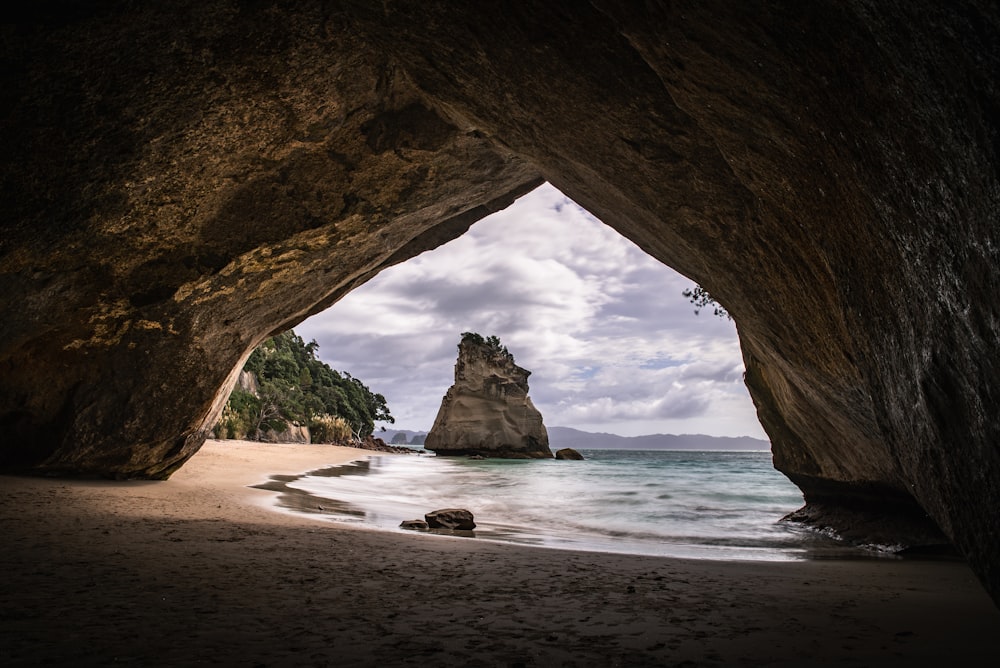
(201,570)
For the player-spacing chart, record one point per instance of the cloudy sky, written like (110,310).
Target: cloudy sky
(612,344)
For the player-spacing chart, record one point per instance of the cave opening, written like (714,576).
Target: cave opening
(612,343)
(829,172)
(614,348)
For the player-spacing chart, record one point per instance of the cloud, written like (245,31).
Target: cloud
(612,343)
(608,410)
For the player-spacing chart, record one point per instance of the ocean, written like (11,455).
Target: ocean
(702,505)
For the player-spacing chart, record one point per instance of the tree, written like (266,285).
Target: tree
(295,386)
(474,337)
(492,341)
(270,409)
(305,379)
(701,299)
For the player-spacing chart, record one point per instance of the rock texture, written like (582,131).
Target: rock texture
(488,412)
(178,185)
(569,454)
(293,433)
(451,518)
(378,445)
(179,182)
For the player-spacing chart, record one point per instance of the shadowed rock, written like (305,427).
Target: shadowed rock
(178,183)
(569,453)
(450,518)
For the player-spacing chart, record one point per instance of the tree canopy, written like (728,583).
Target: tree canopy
(492,341)
(296,387)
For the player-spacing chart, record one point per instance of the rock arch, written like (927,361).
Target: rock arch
(179,185)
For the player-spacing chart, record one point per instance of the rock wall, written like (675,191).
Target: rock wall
(293,433)
(179,183)
(487,411)
(247,382)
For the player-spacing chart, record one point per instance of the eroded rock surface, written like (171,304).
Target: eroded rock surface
(180,182)
(487,412)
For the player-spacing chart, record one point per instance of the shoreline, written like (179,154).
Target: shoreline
(201,568)
(371,510)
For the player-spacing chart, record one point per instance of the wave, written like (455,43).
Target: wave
(697,505)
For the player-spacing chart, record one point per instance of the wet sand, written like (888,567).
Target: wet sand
(201,570)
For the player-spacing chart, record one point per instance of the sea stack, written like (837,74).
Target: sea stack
(487,411)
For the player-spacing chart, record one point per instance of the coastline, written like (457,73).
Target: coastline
(202,569)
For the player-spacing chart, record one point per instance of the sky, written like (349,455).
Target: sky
(612,344)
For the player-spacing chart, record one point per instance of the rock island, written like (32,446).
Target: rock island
(488,412)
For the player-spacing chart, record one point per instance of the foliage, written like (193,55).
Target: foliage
(701,299)
(491,341)
(474,337)
(296,387)
(235,421)
(329,429)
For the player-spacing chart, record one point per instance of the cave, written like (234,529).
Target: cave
(178,185)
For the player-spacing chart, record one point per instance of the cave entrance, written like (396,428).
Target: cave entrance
(612,344)
(615,349)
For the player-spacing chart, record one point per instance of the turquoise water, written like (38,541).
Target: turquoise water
(707,505)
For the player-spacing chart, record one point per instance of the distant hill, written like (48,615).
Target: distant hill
(393,436)
(566,437)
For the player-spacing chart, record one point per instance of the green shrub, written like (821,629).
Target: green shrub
(330,429)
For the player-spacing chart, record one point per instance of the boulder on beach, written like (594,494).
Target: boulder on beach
(487,411)
(450,518)
(416,525)
(569,453)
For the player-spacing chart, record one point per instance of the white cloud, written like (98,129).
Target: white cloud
(612,344)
